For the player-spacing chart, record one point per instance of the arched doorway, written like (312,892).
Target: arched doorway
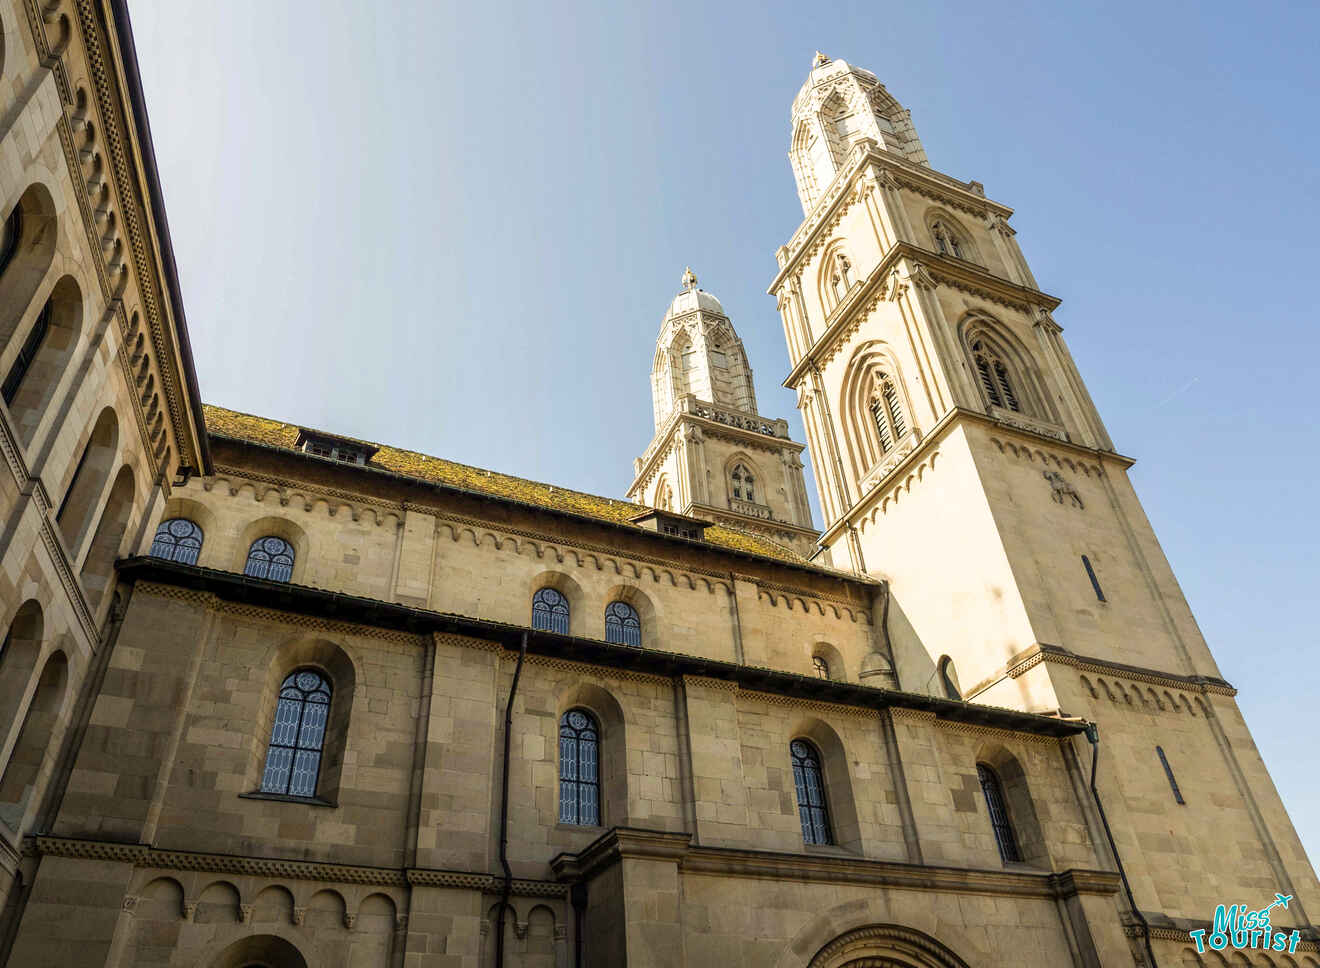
(885,946)
(259,951)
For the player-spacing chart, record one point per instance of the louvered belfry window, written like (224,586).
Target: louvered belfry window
(887,412)
(994,802)
(579,769)
(177,539)
(550,611)
(810,784)
(995,381)
(293,759)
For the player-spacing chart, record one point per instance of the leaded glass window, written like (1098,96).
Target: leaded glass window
(270,557)
(550,611)
(810,784)
(994,802)
(622,624)
(579,769)
(293,759)
(177,539)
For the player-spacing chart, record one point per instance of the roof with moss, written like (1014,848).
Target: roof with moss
(423,467)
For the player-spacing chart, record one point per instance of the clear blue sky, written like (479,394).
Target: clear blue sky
(455,226)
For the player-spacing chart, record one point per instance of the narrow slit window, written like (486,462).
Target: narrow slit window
(999,820)
(1168,771)
(1095,582)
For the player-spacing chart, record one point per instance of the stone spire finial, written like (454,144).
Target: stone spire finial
(689,279)
(820,60)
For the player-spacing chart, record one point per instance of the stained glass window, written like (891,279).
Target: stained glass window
(550,611)
(293,760)
(270,557)
(622,624)
(579,769)
(810,784)
(177,539)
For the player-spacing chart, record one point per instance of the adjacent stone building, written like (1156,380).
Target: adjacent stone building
(271,696)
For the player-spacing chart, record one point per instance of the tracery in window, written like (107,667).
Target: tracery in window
(946,240)
(994,376)
(293,758)
(622,624)
(270,557)
(550,611)
(821,667)
(809,781)
(177,539)
(887,412)
(579,769)
(742,484)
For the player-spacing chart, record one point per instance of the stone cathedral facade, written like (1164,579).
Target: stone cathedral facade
(272,696)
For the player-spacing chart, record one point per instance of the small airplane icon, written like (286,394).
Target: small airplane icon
(1278,899)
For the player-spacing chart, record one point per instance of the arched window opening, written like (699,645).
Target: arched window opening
(994,377)
(579,769)
(13,231)
(89,477)
(550,611)
(742,484)
(951,690)
(622,624)
(946,240)
(887,412)
(18,659)
(26,354)
(999,819)
(809,780)
(36,738)
(177,539)
(293,758)
(821,666)
(98,566)
(270,557)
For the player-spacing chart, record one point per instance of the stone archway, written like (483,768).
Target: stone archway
(885,946)
(259,951)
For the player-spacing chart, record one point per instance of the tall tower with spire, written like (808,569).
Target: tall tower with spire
(960,458)
(713,455)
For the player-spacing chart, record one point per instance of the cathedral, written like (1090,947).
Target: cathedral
(274,697)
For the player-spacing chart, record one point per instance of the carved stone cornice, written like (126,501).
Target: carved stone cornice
(140,855)
(1026,660)
(833,868)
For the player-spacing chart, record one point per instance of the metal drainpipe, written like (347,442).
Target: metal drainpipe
(1093,737)
(504,809)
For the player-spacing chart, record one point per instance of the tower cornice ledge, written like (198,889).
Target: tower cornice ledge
(923,267)
(931,441)
(866,157)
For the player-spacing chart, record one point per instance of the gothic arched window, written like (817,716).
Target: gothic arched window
(821,667)
(887,412)
(579,769)
(810,783)
(550,611)
(270,557)
(177,539)
(993,373)
(947,241)
(293,759)
(742,484)
(999,820)
(622,624)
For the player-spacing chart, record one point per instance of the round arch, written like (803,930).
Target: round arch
(609,715)
(266,950)
(885,946)
(279,527)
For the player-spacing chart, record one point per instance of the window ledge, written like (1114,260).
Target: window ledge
(828,850)
(286,798)
(578,826)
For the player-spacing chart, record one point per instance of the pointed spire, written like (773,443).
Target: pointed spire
(689,280)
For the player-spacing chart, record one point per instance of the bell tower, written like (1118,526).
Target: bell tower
(713,455)
(959,457)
